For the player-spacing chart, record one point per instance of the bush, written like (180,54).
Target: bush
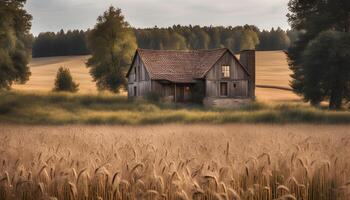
(152,97)
(64,81)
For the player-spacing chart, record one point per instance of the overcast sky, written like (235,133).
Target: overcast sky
(53,15)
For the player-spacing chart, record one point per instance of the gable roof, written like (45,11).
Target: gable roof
(179,65)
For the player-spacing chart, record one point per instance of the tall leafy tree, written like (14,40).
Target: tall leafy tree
(112,44)
(293,36)
(311,18)
(326,67)
(15,24)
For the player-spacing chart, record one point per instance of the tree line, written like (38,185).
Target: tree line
(175,37)
(60,44)
(197,37)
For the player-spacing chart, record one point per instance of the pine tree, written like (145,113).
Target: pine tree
(64,81)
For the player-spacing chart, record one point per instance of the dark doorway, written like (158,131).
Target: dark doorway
(223,89)
(180,93)
(135,91)
(183,93)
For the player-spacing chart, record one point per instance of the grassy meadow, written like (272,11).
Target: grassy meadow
(64,108)
(175,162)
(44,72)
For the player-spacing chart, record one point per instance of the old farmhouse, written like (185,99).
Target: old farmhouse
(216,75)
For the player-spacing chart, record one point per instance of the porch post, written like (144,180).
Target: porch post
(175,94)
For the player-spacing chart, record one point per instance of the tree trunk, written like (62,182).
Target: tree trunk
(315,103)
(335,102)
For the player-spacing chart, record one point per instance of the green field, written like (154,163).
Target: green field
(62,108)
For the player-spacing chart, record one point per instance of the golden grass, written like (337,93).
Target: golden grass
(272,69)
(175,162)
(65,108)
(44,73)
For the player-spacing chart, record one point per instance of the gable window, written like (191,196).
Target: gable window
(225,71)
(223,89)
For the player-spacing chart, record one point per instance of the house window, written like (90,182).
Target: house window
(223,89)
(234,85)
(135,91)
(225,70)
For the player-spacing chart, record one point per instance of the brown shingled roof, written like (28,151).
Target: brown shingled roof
(179,65)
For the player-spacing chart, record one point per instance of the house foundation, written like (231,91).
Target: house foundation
(212,102)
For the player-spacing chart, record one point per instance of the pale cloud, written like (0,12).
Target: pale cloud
(52,15)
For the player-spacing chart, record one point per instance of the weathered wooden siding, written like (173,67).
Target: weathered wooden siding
(164,90)
(142,81)
(247,58)
(237,82)
(167,91)
(157,87)
(241,89)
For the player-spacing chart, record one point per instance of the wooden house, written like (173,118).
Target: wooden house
(176,75)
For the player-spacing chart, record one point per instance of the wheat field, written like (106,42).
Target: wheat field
(44,73)
(272,69)
(175,162)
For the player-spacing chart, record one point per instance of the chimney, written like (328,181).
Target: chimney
(247,59)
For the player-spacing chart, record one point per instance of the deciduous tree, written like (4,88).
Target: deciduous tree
(249,39)
(326,67)
(312,18)
(15,42)
(112,44)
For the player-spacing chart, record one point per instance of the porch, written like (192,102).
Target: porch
(174,92)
